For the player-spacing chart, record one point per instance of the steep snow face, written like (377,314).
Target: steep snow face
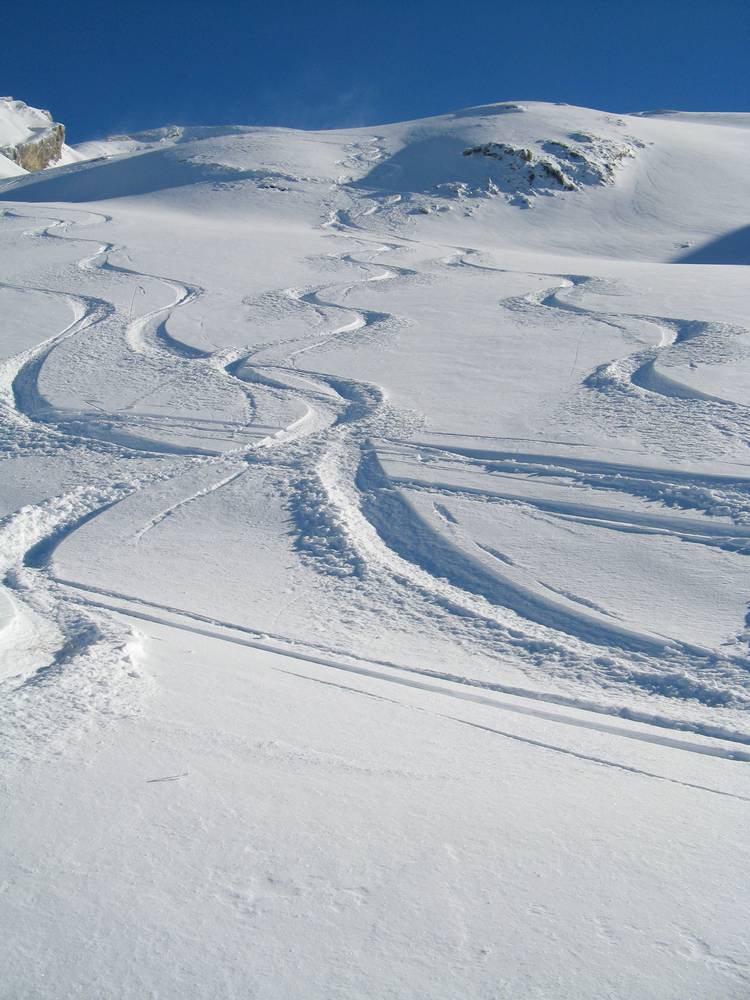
(30,140)
(375,560)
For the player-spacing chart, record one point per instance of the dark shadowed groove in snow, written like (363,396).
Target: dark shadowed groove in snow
(40,554)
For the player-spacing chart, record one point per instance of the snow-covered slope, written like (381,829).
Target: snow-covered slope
(375,560)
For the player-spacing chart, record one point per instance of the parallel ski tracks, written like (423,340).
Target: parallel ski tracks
(729,743)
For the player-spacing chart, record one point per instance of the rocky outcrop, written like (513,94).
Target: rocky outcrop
(39,151)
(523,172)
(29,136)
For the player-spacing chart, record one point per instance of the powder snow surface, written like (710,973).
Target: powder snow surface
(375,549)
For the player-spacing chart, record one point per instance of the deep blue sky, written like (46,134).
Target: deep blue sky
(110,67)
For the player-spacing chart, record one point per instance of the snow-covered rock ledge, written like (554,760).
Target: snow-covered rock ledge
(39,152)
(30,140)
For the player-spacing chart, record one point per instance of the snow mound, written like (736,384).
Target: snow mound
(155,138)
(517,151)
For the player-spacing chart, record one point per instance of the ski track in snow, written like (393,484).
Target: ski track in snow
(461,686)
(333,450)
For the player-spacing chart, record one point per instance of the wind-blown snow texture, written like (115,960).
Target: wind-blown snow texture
(376,561)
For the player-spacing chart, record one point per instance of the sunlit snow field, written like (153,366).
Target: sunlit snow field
(375,548)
